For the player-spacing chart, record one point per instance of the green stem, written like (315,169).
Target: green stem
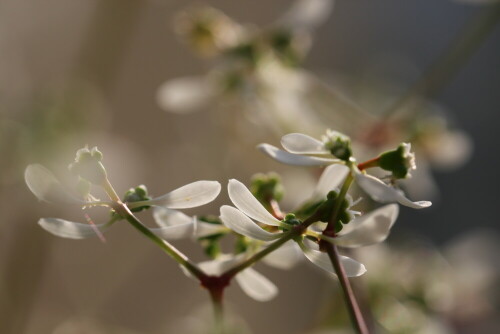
(173,252)
(217,297)
(330,228)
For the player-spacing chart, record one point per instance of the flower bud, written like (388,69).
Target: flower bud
(88,166)
(399,161)
(137,194)
(290,219)
(338,144)
(266,187)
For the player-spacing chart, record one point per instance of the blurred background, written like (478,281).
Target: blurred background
(88,72)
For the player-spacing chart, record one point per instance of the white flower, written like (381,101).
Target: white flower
(249,207)
(47,188)
(303,150)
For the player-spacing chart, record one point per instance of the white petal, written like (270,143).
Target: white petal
(369,229)
(285,257)
(220,265)
(184,95)
(175,232)
(383,193)
(46,187)
(66,229)
(331,178)
(307,14)
(352,268)
(189,196)
(248,204)
(238,222)
(294,159)
(166,217)
(299,143)
(256,285)
(204,229)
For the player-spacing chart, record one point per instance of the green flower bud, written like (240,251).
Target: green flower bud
(137,194)
(290,219)
(88,166)
(338,144)
(399,161)
(267,187)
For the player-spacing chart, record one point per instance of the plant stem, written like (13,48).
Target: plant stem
(217,297)
(330,228)
(331,250)
(352,304)
(173,252)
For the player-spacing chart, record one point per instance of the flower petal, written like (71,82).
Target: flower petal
(369,229)
(71,230)
(285,257)
(166,217)
(248,204)
(46,187)
(175,232)
(204,229)
(189,196)
(256,285)
(331,178)
(294,159)
(220,265)
(237,221)
(184,95)
(298,143)
(383,193)
(352,268)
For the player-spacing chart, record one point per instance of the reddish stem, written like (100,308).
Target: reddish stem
(368,164)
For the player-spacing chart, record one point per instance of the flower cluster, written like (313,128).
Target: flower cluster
(261,230)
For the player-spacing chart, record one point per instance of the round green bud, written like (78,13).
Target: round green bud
(338,144)
(399,161)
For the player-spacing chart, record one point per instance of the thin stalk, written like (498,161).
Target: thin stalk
(351,302)
(217,297)
(330,228)
(331,249)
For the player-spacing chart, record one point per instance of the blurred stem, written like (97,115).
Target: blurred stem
(217,298)
(446,66)
(332,251)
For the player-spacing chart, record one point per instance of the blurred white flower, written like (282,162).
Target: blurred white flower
(44,185)
(256,71)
